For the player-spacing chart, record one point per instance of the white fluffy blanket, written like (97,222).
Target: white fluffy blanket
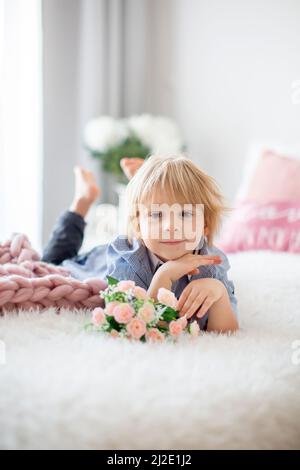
(63,388)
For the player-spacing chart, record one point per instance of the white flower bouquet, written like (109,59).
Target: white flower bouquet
(111,139)
(130,313)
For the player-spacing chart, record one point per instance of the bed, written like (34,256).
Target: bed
(63,388)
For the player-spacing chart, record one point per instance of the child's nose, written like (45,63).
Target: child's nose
(170,226)
(166,224)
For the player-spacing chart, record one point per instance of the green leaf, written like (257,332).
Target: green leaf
(169,314)
(113,323)
(116,296)
(131,147)
(111,281)
(163,329)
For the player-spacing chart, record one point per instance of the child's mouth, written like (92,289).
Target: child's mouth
(172,242)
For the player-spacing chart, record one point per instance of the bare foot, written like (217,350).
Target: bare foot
(85,185)
(86,191)
(131,165)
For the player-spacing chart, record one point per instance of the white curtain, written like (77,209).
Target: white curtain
(94,57)
(20,118)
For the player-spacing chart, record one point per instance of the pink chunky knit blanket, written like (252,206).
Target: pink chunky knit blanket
(26,282)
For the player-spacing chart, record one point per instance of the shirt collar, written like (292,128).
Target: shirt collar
(155,262)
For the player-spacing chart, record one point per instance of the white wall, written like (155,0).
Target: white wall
(230,67)
(222,68)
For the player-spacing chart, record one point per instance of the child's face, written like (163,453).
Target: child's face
(169,229)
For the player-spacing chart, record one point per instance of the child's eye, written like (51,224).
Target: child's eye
(186,214)
(155,215)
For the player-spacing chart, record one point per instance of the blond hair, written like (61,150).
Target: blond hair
(184,181)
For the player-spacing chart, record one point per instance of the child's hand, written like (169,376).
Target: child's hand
(200,293)
(187,264)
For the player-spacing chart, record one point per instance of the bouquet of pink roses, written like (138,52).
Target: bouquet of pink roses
(130,313)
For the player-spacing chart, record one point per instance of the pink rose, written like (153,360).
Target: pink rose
(194,328)
(175,328)
(146,312)
(109,308)
(98,316)
(123,313)
(140,293)
(183,321)
(136,328)
(166,297)
(153,334)
(124,286)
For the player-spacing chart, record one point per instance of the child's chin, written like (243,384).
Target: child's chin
(172,253)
